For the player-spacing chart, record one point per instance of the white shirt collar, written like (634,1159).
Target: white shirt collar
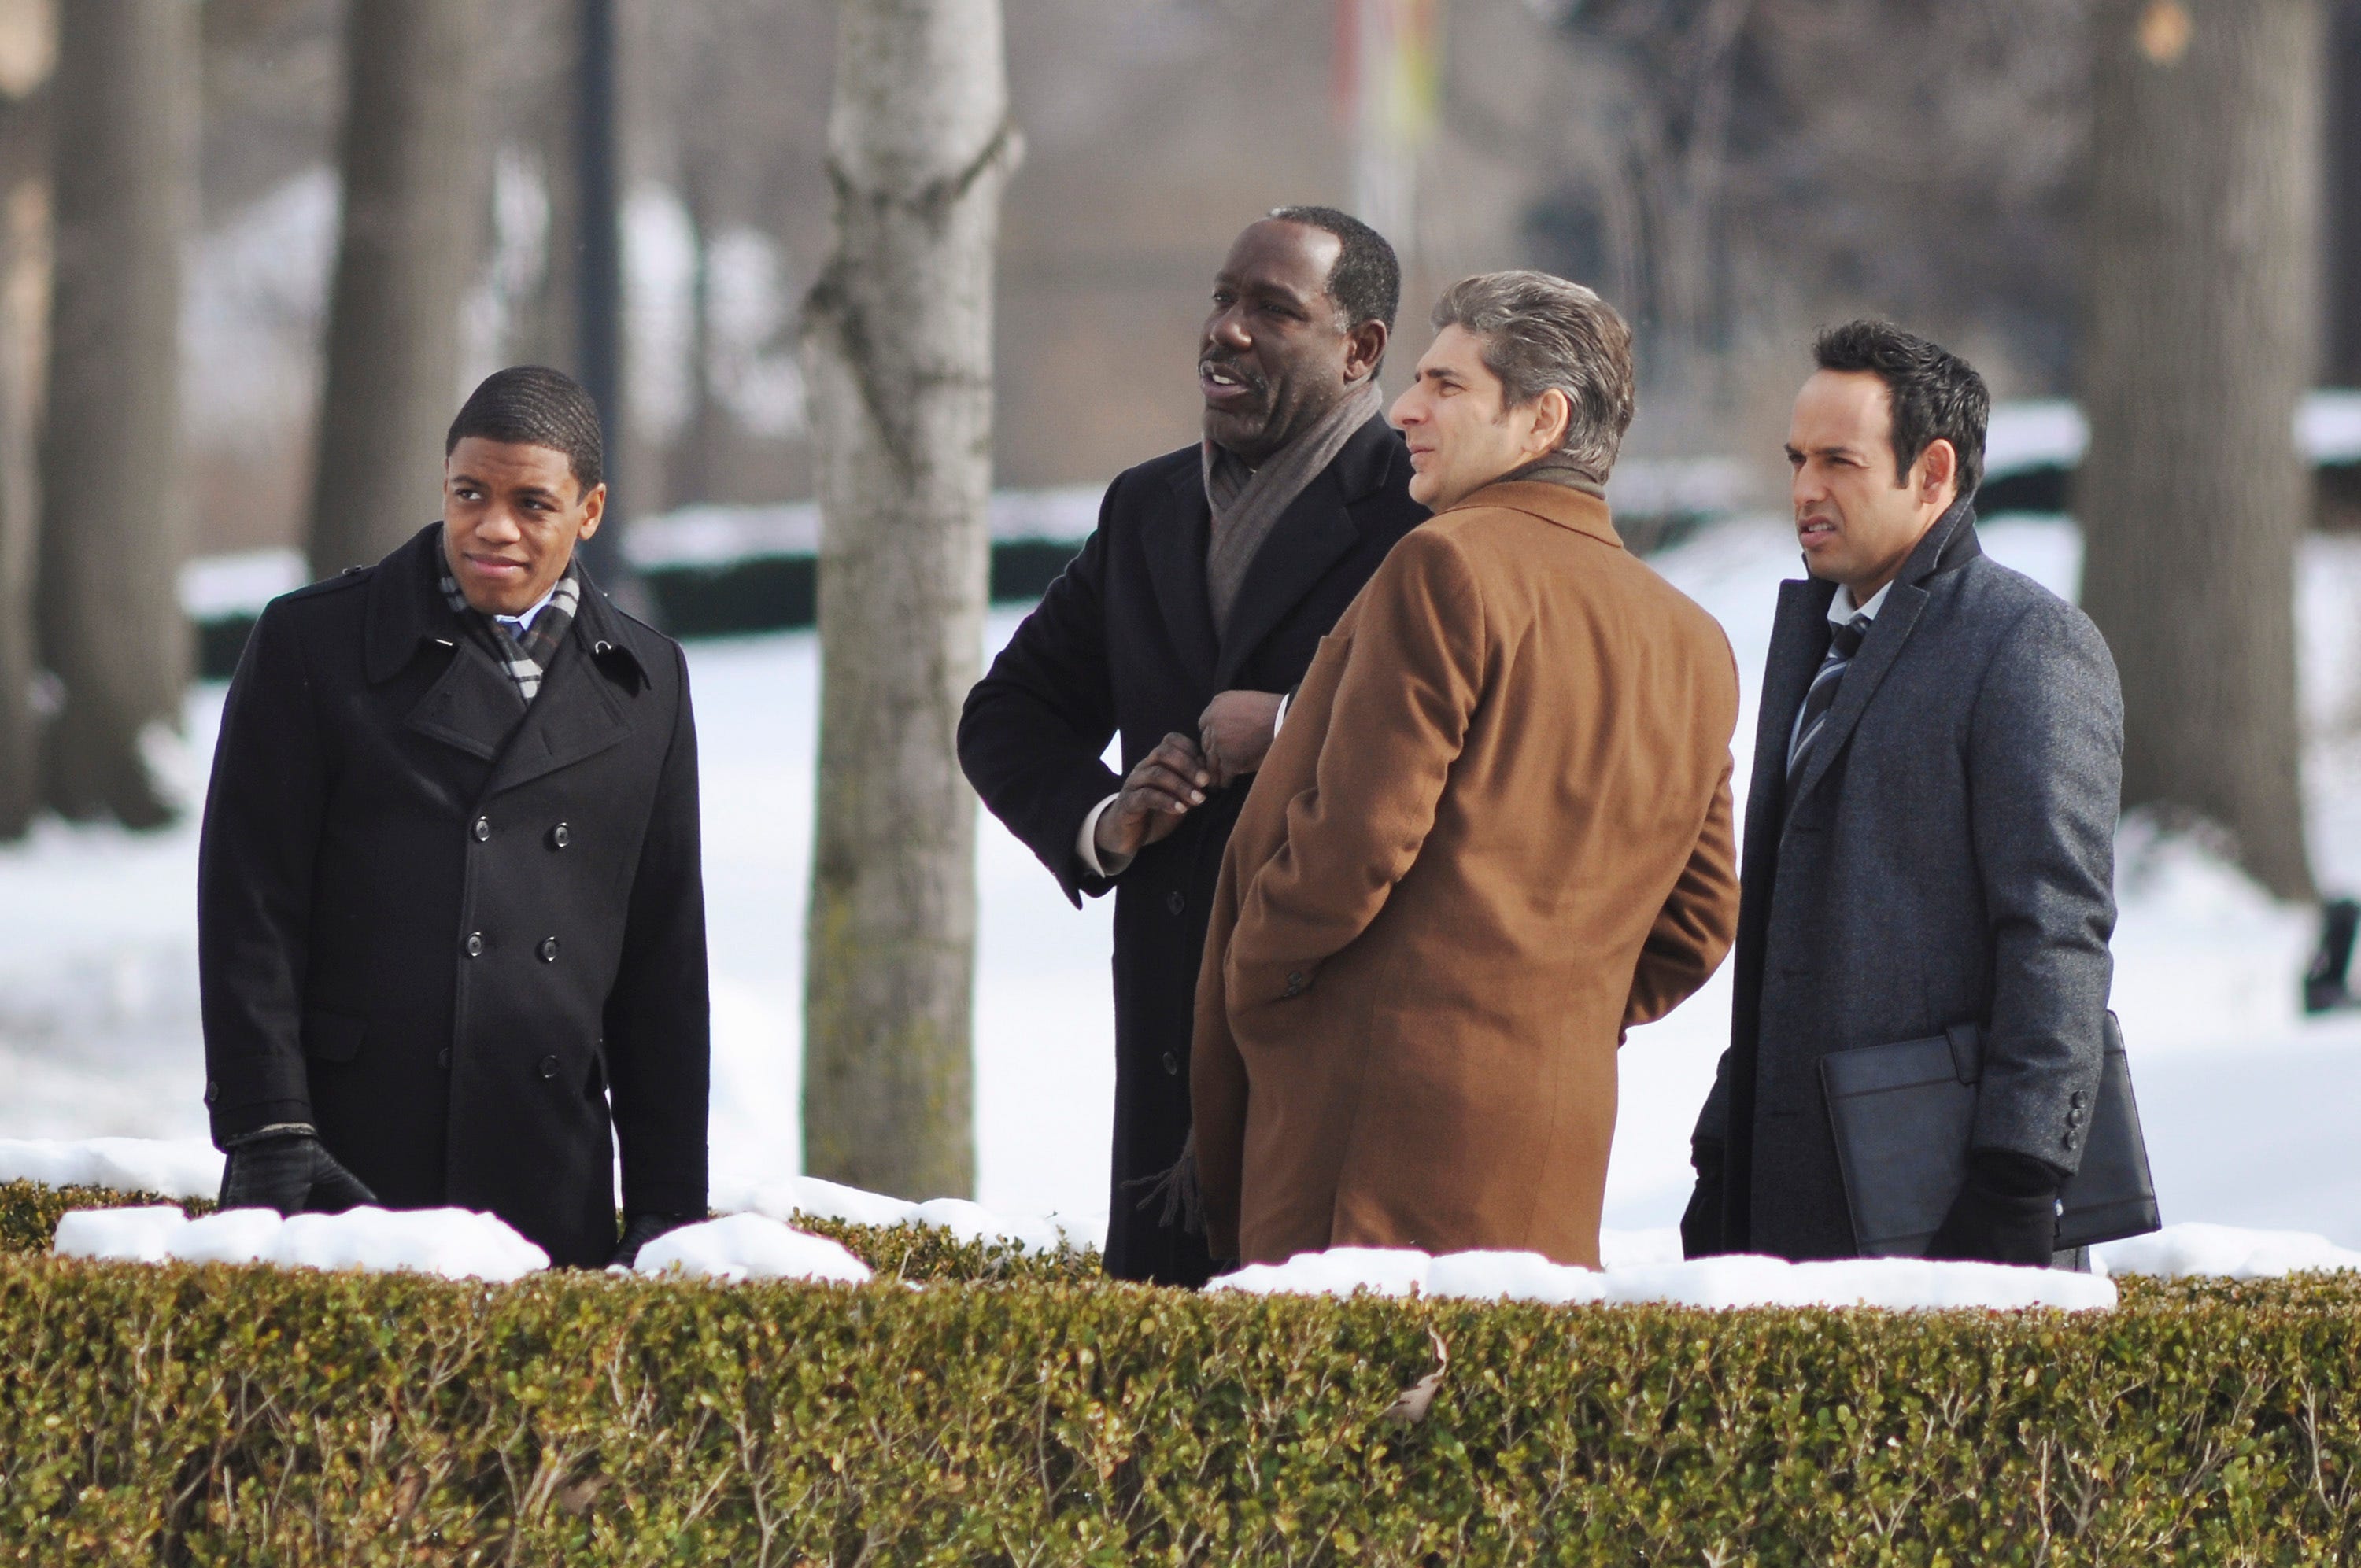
(1840,607)
(524,623)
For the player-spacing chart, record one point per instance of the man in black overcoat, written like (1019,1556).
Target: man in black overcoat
(1190,614)
(1929,831)
(451,923)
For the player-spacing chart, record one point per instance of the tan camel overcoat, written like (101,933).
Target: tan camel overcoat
(1493,833)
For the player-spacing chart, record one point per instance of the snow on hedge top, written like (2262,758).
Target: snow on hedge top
(969,1221)
(1713,1282)
(452,1242)
(2178,1251)
(749,1246)
(170,1168)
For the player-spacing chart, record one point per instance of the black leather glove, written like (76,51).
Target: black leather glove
(1701,1223)
(639,1230)
(287,1169)
(2007,1213)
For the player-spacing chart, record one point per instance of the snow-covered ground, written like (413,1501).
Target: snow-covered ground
(2245,1100)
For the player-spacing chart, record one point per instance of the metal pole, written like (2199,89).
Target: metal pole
(599,313)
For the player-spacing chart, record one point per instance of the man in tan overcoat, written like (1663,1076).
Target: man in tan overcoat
(1493,834)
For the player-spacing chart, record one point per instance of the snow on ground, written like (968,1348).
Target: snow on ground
(2242,1097)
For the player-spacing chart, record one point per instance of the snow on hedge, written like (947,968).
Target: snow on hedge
(2224,1251)
(170,1168)
(1715,1282)
(453,1242)
(749,1246)
(784,1199)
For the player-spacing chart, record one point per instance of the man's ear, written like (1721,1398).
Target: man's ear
(1552,415)
(1939,467)
(1365,345)
(594,511)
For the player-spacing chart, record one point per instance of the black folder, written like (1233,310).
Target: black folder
(1903,1114)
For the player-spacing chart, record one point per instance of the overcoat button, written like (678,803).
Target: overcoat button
(2069,1138)
(549,949)
(1174,902)
(1171,1065)
(483,828)
(2073,1115)
(549,1066)
(442,1057)
(212,1092)
(1294,985)
(560,836)
(475,944)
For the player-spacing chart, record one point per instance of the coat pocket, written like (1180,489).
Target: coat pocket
(334,1037)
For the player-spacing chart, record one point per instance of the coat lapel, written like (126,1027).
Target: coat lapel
(472,706)
(1312,535)
(577,715)
(1175,545)
(1950,543)
(1799,641)
(1316,533)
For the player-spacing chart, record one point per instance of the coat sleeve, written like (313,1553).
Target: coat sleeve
(1405,695)
(2044,781)
(1694,931)
(255,855)
(1033,730)
(659,1014)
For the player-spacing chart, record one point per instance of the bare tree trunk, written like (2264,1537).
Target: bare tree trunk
(2202,243)
(112,515)
(897,343)
(415,173)
(24,244)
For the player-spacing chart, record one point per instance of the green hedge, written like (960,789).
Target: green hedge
(205,1415)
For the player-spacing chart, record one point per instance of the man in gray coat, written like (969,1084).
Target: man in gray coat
(1930,829)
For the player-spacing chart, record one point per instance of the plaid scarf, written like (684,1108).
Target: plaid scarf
(523,659)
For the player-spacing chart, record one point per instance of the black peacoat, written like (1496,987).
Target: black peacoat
(1123,643)
(463,939)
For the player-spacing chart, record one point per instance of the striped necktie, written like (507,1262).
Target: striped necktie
(1814,719)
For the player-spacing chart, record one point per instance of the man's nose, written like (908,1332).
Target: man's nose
(1406,411)
(1230,332)
(501,523)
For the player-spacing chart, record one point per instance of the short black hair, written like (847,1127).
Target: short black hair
(532,405)
(1366,282)
(1933,393)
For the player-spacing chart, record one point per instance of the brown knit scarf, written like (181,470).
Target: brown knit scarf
(1247,502)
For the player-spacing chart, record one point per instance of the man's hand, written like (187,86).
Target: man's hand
(1236,731)
(639,1230)
(291,1172)
(1155,796)
(2007,1213)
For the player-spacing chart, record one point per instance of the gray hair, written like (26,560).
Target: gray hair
(1539,331)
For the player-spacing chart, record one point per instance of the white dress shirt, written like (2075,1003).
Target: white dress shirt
(519,625)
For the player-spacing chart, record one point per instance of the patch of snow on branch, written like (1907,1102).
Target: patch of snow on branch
(2224,1251)
(170,1168)
(749,1246)
(453,1244)
(1897,1284)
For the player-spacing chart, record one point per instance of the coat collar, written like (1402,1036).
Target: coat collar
(472,705)
(1950,544)
(1315,531)
(1568,507)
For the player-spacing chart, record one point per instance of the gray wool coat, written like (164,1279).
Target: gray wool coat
(1949,856)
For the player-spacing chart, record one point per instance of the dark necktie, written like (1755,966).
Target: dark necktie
(1809,724)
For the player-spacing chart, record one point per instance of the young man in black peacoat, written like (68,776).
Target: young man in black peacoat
(451,916)
(1135,639)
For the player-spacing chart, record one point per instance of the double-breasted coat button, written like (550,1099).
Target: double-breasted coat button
(2078,1100)
(1294,985)
(549,1066)
(1171,1065)
(549,949)
(560,836)
(2073,1115)
(1174,902)
(475,944)
(483,828)
(2070,1137)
